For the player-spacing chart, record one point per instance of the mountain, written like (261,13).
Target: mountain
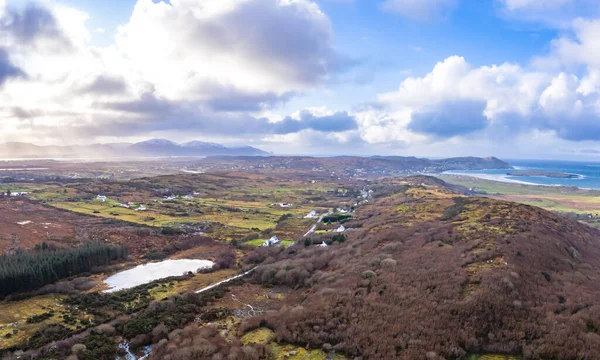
(149,148)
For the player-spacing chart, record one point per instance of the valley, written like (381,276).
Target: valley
(501,278)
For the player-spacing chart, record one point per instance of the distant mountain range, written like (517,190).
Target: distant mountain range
(149,148)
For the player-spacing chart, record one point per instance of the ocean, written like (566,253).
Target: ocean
(589,173)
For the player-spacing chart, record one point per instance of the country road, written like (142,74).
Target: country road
(224,281)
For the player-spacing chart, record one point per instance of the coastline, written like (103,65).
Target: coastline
(504,179)
(493,177)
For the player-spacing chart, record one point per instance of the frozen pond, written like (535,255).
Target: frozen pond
(144,274)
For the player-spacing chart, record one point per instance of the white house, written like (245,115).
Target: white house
(141,208)
(101,197)
(340,229)
(311,215)
(274,241)
(189,196)
(285,205)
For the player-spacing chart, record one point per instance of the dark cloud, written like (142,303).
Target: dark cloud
(338,122)
(32,26)
(150,113)
(230,98)
(105,85)
(7,69)
(450,119)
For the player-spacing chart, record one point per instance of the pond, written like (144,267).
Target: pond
(146,273)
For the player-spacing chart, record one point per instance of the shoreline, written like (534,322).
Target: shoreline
(504,179)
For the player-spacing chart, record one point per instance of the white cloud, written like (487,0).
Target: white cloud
(457,100)
(420,9)
(183,66)
(554,13)
(581,46)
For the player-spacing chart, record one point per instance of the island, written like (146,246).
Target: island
(549,174)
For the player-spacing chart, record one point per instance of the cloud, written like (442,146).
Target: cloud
(35,26)
(7,69)
(580,47)
(104,84)
(336,122)
(420,9)
(449,119)
(456,99)
(200,67)
(555,13)
(273,46)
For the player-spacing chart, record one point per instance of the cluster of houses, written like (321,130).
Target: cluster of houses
(188,196)
(125,205)
(283,205)
(18,193)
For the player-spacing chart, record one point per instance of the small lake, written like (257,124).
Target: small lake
(146,273)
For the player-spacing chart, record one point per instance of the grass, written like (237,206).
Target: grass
(13,316)
(291,352)
(258,336)
(259,242)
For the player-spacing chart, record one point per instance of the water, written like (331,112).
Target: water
(589,173)
(144,274)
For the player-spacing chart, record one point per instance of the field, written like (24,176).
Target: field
(230,206)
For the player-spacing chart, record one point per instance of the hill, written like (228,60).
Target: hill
(372,167)
(427,274)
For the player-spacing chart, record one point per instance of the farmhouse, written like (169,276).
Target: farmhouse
(101,197)
(311,215)
(274,241)
(340,229)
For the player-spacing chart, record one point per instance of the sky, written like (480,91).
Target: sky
(434,78)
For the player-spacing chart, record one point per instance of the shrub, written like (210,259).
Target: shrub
(388,263)
(368,274)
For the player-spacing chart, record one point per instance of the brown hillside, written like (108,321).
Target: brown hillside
(426,274)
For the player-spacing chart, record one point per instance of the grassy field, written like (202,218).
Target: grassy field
(259,242)
(243,204)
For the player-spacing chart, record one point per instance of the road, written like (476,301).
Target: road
(224,281)
(314,227)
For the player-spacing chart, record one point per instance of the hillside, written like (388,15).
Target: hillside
(420,271)
(426,274)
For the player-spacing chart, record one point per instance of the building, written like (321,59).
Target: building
(101,198)
(340,229)
(274,241)
(311,215)
(141,208)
